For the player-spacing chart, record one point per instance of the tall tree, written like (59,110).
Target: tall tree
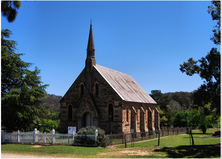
(9,9)
(22,89)
(208,68)
(162,100)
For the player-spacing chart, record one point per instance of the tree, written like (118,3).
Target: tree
(203,120)
(180,119)
(163,119)
(208,68)
(192,118)
(162,100)
(9,9)
(215,13)
(22,89)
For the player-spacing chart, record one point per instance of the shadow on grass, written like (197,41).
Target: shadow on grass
(197,151)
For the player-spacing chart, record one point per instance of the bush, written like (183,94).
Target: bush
(90,130)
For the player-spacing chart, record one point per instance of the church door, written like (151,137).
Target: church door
(87,119)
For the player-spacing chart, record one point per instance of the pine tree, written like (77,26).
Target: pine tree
(21,91)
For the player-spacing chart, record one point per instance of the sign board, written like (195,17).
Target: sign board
(132,130)
(71,129)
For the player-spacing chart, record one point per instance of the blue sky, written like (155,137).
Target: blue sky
(148,40)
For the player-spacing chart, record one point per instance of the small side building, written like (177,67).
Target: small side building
(108,99)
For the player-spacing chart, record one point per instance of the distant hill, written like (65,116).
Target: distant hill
(52,99)
(183,98)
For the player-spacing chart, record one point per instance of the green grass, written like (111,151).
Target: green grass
(55,150)
(171,147)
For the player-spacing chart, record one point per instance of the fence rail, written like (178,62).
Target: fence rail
(139,136)
(36,137)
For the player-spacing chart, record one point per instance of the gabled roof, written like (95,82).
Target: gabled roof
(124,85)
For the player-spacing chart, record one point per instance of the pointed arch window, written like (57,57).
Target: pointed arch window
(110,109)
(70,112)
(127,114)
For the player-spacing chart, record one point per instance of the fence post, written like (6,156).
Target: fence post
(96,135)
(149,133)
(3,136)
(68,140)
(35,136)
(125,142)
(44,137)
(18,139)
(73,136)
(159,138)
(53,138)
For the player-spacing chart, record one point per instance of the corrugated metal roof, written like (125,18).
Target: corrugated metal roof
(124,85)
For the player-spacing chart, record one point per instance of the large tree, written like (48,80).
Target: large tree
(208,68)
(9,9)
(162,100)
(21,89)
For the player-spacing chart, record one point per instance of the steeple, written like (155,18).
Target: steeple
(90,47)
(90,40)
(90,59)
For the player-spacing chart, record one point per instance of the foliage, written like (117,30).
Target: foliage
(183,99)
(180,119)
(9,9)
(162,100)
(163,119)
(170,103)
(192,118)
(22,89)
(219,122)
(214,10)
(208,68)
(47,125)
(203,120)
(90,130)
(53,100)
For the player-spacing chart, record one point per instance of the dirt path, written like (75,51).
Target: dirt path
(7,155)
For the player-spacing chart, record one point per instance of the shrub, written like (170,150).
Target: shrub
(90,130)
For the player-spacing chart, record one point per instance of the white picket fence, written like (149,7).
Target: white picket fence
(36,137)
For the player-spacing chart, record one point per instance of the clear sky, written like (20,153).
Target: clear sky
(147,40)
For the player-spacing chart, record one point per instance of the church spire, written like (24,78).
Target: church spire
(90,47)
(90,59)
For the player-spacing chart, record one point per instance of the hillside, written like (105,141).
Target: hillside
(184,99)
(52,99)
(181,99)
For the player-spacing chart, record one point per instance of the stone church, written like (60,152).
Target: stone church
(108,99)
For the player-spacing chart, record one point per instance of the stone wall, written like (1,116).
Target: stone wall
(125,116)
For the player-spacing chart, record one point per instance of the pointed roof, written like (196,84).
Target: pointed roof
(125,86)
(90,40)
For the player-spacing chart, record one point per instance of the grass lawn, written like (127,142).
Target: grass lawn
(173,146)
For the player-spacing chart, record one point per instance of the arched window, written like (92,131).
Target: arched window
(70,112)
(127,115)
(110,109)
(97,89)
(82,90)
